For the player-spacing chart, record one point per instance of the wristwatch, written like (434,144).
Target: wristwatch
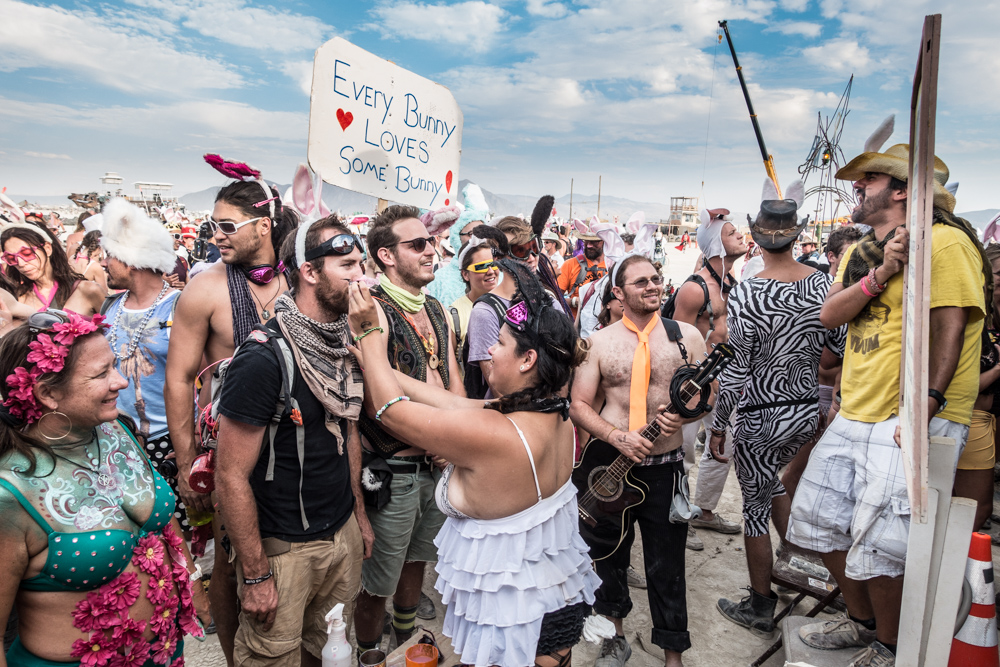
(939,397)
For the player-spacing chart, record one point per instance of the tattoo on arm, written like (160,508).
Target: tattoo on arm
(366,325)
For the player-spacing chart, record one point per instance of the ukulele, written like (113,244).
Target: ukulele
(603,475)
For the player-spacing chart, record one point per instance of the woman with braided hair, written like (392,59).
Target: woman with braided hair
(514,599)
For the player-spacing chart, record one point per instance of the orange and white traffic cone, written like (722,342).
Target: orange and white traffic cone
(975,645)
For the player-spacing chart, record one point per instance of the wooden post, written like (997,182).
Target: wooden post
(599,197)
(571,201)
(917,279)
(382,205)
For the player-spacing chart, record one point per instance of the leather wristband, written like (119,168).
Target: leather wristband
(258,580)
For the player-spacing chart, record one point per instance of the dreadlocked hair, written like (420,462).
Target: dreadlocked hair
(245,194)
(551,334)
(62,272)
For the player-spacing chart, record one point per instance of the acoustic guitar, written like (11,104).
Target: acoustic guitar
(607,490)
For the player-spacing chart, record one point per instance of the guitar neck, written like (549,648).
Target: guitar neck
(651,431)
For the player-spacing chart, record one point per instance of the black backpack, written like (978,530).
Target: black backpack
(670,304)
(475,383)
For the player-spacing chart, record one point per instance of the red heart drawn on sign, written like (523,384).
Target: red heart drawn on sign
(345,118)
(447,181)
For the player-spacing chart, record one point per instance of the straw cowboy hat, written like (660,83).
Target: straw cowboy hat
(896,163)
(588,231)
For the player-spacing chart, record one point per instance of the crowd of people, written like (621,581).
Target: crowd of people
(337,410)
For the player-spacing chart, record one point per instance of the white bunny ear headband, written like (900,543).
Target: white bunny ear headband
(9,209)
(306,197)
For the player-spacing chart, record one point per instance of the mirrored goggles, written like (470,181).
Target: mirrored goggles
(341,244)
(523,250)
(227,227)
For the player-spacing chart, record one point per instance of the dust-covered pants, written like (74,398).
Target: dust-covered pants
(852,495)
(663,546)
(765,440)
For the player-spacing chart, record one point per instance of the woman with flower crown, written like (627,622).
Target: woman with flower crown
(90,554)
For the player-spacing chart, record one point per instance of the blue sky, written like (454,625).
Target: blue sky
(550,89)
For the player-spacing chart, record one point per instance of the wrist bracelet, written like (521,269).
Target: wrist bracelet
(721,433)
(196,575)
(864,289)
(258,580)
(357,339)
(875,284)
(611,433)
(378,415)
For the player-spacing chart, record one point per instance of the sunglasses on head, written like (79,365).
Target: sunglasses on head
(44,320)
(227,227)
(341,244)
(25,254)
(418,245)
(482,267)
(643,283)
(523,250)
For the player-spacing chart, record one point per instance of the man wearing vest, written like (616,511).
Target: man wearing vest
(579,271)
(289,457)
(421,345)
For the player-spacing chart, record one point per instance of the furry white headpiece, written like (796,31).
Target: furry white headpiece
(710,231)
(131,237)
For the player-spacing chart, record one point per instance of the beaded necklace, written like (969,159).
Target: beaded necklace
(133,342)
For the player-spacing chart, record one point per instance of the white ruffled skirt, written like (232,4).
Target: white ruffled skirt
(499,577)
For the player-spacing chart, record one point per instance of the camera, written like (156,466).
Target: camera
(200,252)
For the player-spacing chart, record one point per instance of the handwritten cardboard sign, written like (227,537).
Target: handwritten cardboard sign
(378,129)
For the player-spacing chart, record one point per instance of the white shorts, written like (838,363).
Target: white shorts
(852,496)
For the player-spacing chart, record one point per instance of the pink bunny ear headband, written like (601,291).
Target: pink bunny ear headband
(242,172)
(306,196)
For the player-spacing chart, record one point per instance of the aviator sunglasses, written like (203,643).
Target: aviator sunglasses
(25,254)
(227,227)
(643,283)
(341,244)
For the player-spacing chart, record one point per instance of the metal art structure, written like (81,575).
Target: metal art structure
(830,197)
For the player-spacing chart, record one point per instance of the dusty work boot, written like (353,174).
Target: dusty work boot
(614,652)
(836,634)
(875,655)
(425,608)
(755,612)
(694,542)
(635,579)
(718,524)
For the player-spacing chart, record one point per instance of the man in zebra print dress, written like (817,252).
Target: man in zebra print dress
(771,385)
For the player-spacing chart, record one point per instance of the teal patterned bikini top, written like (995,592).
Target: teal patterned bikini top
(87,560)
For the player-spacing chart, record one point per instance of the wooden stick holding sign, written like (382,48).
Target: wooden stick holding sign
(940,526)
(914,369)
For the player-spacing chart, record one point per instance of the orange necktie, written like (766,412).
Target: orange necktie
(640,374)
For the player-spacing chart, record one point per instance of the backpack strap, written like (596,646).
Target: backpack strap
(494,302)
(110,301)
(674,333)
(287,406)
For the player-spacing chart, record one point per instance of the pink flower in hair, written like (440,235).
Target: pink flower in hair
(77,326)
(47,355)
(20,384)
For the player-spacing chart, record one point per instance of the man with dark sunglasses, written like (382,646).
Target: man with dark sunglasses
(580,271)
(421,344)
(216,312)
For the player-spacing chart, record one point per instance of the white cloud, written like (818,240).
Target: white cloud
(208,120)
(82,43)
(300,71)
(546,9)
(794,5)
(238,22)
(472,24)
(804,28)
(47,156)
(842,55)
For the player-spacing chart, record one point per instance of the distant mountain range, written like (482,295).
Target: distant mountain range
(584,206)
